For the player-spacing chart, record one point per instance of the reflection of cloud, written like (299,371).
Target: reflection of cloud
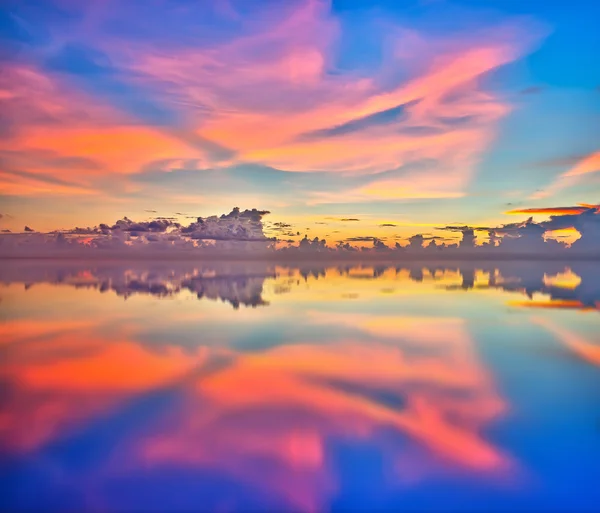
(585,349)
(284,404)
(234,283)
(267,418)
(57,380)
(242,283)
(574,287)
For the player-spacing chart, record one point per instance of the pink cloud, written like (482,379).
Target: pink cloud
(262,92)
(574,175)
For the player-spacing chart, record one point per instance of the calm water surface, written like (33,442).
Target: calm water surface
(215,387)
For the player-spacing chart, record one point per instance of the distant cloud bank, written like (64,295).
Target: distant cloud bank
(240,234)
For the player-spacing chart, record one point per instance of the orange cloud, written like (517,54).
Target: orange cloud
(557,211)
(64,141)
(553,303)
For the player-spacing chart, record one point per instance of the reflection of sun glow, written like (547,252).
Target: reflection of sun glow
(554,303)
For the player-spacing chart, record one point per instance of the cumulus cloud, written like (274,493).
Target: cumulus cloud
(157,225)
(235,226)
(243,232)
(237,231)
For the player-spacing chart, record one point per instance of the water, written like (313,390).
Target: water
(255,387)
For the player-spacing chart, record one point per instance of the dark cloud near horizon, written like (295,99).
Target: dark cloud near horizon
(459,228)
(244,226)
(157,225)
(248,227)
(281,226)
(363,239)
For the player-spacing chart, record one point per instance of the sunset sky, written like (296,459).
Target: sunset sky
(414,113)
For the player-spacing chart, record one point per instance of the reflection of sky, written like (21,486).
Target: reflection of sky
(344,388)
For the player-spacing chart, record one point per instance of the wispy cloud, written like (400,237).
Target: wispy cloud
(584,166)
(271,93)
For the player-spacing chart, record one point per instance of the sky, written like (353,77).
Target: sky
(416,114)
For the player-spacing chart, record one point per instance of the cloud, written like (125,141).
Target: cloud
(362,239)
(270,92)
(532,90)
(577,172)
(583,348)
(382,118)
(244,226)
(552,210)
(246,231)
(157,225)
(589,164)
(28,229)
(237,231)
